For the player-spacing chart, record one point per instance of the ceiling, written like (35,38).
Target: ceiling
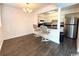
(73,6)
(36,6)
(33,6)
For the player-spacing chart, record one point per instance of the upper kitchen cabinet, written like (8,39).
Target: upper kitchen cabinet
(48,19)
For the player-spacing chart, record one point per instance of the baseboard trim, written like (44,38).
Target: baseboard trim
(16,36)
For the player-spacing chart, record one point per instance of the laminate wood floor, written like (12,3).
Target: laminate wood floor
(29,45)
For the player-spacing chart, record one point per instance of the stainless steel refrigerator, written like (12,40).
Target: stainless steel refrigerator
(71,26)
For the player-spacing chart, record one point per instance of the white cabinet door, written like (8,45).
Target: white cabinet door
(54,36)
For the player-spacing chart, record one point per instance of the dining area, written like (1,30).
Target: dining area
(46,26)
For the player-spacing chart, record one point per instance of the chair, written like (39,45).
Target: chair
(44,33)
(36,30)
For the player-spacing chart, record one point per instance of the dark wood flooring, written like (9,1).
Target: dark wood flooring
(31,46)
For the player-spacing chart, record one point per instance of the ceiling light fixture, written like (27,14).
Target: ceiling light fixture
(27,8)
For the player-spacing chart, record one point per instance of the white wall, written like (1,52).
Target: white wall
(1,40)
(0,15)
(15,22)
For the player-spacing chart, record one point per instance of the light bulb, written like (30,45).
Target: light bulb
(24,10)
(27,9)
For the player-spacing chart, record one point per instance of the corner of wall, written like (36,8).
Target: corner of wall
(1,42)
